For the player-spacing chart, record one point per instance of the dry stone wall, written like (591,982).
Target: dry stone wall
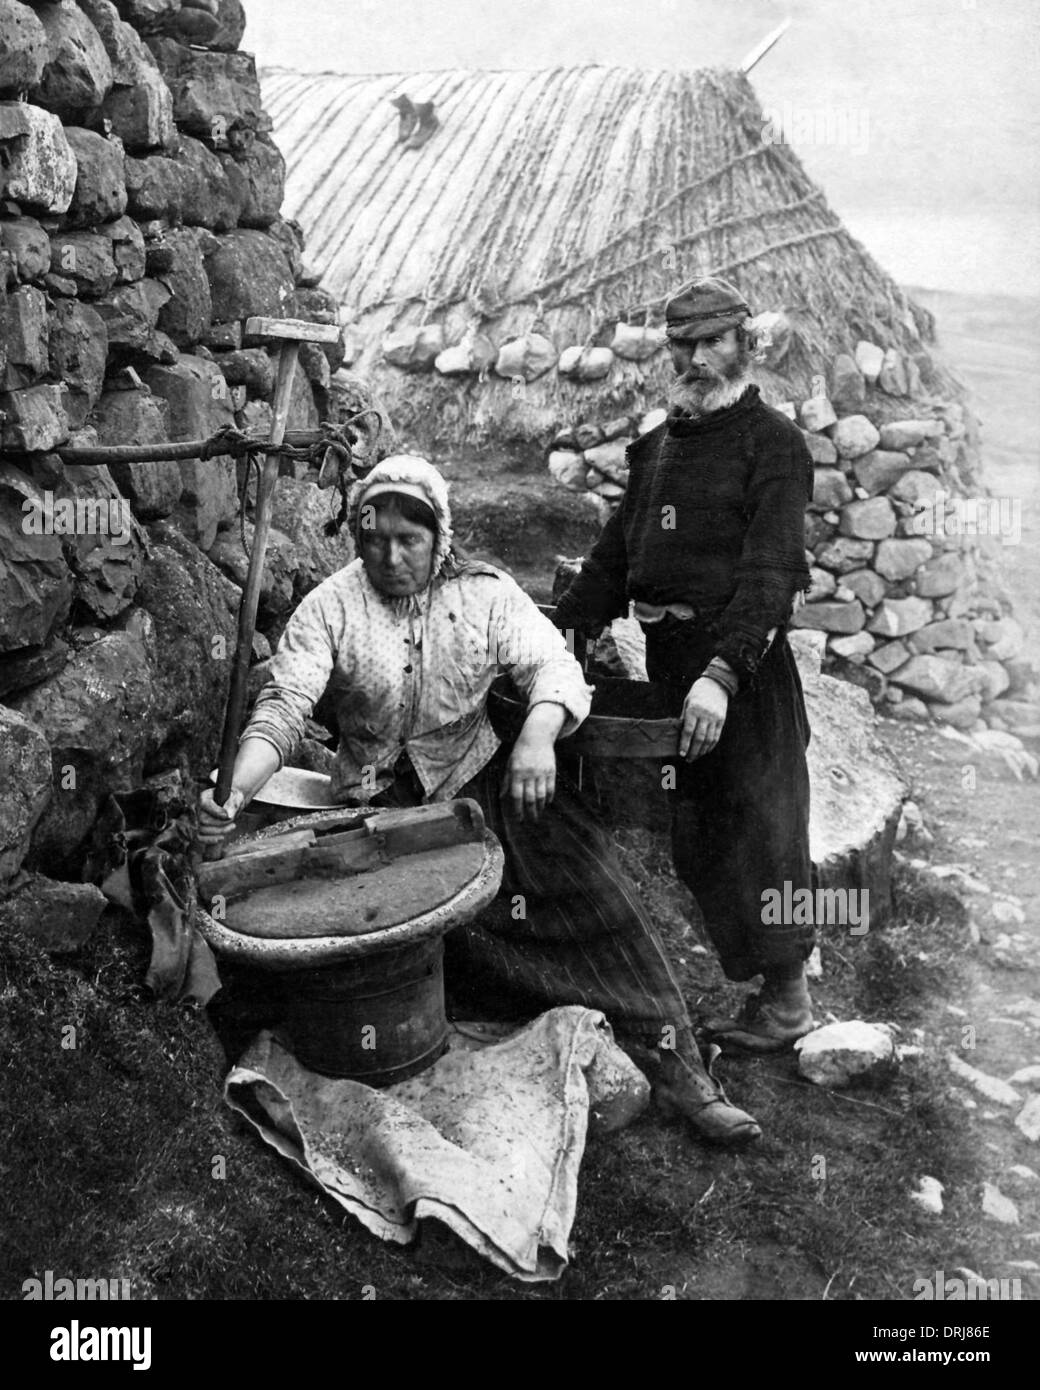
(140,225)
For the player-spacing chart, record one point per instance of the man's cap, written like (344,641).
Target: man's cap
(703,307)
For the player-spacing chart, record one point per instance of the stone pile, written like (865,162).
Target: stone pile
(901,543)
(139,227)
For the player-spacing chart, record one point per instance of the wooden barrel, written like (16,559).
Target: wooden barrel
(378,1019)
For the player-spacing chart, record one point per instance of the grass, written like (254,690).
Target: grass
(111,1149)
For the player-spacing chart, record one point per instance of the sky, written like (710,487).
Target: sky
(919,118)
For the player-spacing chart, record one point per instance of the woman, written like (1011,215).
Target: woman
(408,639)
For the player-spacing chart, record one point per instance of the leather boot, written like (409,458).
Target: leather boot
(770,1021)
(428,123)
(682,1086)
(409,117)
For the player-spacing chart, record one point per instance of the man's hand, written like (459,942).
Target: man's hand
(217,822)
(704,713)
(530,780)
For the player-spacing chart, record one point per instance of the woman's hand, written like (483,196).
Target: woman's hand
(530,780)
(217,822)
(704,714)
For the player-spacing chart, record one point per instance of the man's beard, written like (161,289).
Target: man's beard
(703,391)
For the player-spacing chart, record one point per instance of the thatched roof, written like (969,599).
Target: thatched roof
(564,201)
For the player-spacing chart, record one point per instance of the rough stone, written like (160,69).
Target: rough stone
(831,617)
(848,389)
(276,583)
(138,417)
(898,617)
(199,406)
(414,349)
(232,23)
(869,359)
(899,559)
(128,250)
(940,576)
(35,419)
(98,717)
(817,414)
(1023,715)
(59,917)
(568,468)
(877,471)
(852,648)
(25,332)
(962,714)
(105,554)
(299,510)
(215,95)
(139,106)
(867,586)
(996,680)
(830,489)
(821,584)
(100,193)
(39,169)
(77,75)
(27,242)
(25,775)
(148,16)
(840,1053)
(951,633)
(263,167)
(186,316)
(155,187)
(1004,638)
(991,1087)
(894,379)
(252,368)
(908,434)
(910,708)
(934,678)
(212,194)
(609,456)
(526,358)
(844,554)
(889,657)
(871,519)
(854,436)
(1028,1119)
(131,315)
(78,348)
(88,259)
(23,47)
(35,583)
(636,344)
(929,1195)
(249,274)
(915,487)
(821,449)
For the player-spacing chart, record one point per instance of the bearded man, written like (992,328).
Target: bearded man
(707,549)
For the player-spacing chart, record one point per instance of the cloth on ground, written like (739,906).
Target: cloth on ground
(488,1140)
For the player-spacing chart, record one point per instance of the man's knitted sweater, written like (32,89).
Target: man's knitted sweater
(714,517)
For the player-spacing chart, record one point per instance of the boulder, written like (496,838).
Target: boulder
(35,583)
(216,96)
(844,554)
(59,917)
(98,716)
(869,359)
(908,434)
(34,419)
(100,193)
(26,240)
(231,17)
(276,584)
(131,315)
(877,471)
(212,193)
(821,449)
(854,436)
(194,609)
(898,617)
(1021,715)
(609,458)
(867,586)
(947,634)
(186,315)
(899,559)
(155,187)
(105,553)
(633,343)
(474,354)
(586,363)
(24,330)
(77,75)
(23,47)
(198,406)
(249,275)
(940,575)
(138,417)
(568,468)
(252,368)
(128,250)
(894,379)
(25,775)
(871,519)
(587,435)
(526,358)
(38,169)
(889,657)
(263,168)
(830,489)
(853,648)
(1004,638)
(962,714)
(821,584)
(78,348)
(139,106)
(915,488)
(831,616)
(848,389)
(148,16)
(88,259)
(817,414)
(934,678)
(299,511)
(995,680)
(839,1054)
(414,349)
(28,667)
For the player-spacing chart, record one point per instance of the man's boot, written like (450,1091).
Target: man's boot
(770,1021)
(682,1086)
(428,123)
(409,117)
